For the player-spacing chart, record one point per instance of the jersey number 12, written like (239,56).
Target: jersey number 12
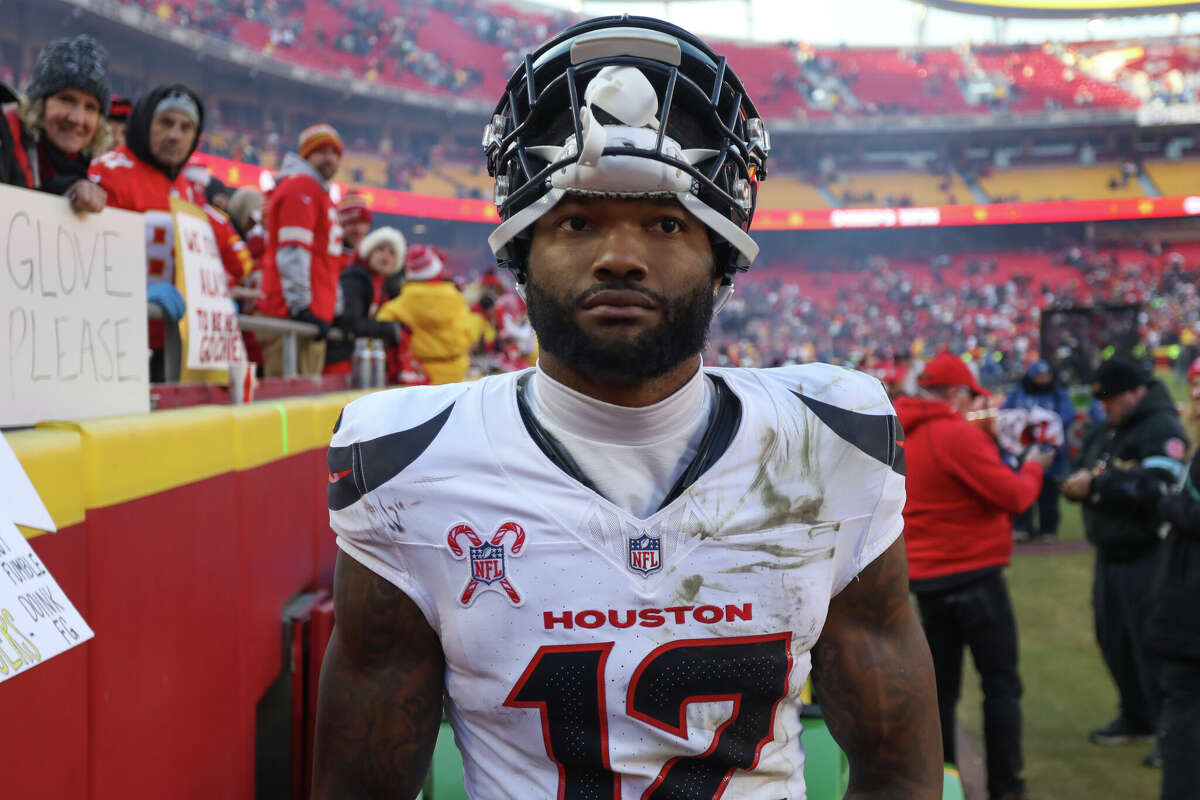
(565,683)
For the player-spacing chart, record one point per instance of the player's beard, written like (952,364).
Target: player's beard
(681,333)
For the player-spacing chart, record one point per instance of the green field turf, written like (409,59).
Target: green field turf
(1067,689)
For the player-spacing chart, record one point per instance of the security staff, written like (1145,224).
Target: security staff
(1173,632)
(1122,469)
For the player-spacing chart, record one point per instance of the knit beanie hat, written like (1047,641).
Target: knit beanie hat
(424,263)
(382,236)
(353,208)
(80,63)
(314,137)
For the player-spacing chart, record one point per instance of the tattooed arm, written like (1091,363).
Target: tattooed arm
(874,680)
(380,700)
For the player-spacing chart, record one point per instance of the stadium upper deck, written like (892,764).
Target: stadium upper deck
(452,48)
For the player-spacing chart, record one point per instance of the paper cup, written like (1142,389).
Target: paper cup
(242,381)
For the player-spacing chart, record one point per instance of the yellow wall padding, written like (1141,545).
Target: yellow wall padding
(102,462)
(258,435)
(134,456)
(53,460)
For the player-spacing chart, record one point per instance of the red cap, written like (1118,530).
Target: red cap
(947,369)
(353,208)
(1194,372)
(120,108)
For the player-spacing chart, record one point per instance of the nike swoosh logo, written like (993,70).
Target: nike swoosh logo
(335,477)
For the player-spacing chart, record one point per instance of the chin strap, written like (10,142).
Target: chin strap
(721,297)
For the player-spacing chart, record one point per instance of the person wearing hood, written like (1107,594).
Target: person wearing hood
(958,533)
(304,249)
(437,314)
(53,132)
(380,255)
(1039,388)
(143,175)
(1121,471)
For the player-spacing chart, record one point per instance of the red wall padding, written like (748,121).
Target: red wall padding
(44,735)
(184,590)
(167,659)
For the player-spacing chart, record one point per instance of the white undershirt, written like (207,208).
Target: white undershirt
(633,456)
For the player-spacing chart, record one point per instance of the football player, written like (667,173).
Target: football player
(619,568)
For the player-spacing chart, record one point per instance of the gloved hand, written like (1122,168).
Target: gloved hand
(168,298)
(305,315)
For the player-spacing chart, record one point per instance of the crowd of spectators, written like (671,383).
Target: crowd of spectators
(385,35)
(878,308)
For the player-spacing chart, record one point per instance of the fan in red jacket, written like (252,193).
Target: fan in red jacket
(304,248)
(143,175)
(959,536)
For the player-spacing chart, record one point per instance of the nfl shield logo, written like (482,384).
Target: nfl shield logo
(644,554)
(487,563)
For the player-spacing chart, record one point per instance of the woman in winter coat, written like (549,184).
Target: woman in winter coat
(380,255)
(437,314)
(50,136)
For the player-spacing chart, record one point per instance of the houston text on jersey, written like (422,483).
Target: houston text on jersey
(648,617)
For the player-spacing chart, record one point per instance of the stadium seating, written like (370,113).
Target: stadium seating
(1043,80)
(432,183)
(1058,183)
(373,168)
(920,82)
(781,191)
(467,180)
(444,53)
(1175,177)
(909,188)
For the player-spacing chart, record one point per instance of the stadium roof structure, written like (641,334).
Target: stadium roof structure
(1063,9)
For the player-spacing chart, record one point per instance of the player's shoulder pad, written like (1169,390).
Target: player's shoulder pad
(852,404)
(377,436)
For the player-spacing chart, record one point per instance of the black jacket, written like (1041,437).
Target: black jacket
(1173,626)
(10,170)
(1141,463)
(357,317)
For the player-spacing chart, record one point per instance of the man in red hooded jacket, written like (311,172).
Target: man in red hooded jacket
(959,536)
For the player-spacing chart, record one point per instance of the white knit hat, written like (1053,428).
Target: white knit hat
(384,235)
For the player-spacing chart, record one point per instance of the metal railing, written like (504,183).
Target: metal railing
(290,331)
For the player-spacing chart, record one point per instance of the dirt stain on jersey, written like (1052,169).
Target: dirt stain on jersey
(824,554)
(777,550)
(689,587)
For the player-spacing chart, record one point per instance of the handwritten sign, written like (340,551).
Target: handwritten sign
(37,621)
(214,340)
(72,311)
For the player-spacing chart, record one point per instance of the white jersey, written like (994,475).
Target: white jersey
(591,654)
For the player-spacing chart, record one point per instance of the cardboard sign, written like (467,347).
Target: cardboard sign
(37,621)
(214,340)
(72,311)
(20,500)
